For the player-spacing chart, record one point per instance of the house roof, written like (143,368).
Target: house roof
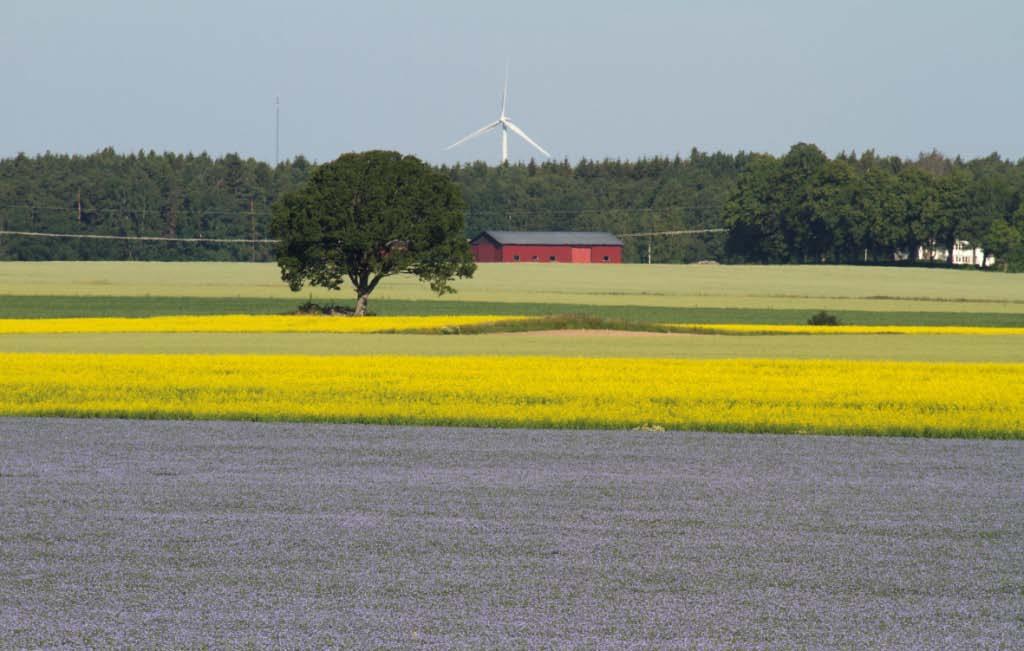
(552,238)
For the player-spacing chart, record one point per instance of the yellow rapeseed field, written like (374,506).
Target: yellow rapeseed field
(295,323)
(851,397)
(240,323)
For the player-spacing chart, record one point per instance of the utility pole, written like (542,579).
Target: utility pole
(79,205)
(277,130)
(650,242)
(252,227)
(651,233)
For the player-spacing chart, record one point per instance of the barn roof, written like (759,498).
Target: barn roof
(552,238)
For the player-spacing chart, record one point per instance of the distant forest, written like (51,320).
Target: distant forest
(802,207)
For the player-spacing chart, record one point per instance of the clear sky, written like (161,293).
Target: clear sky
(588,79)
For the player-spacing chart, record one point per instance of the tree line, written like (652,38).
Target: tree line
(805,208)
(802,207)
(140,194)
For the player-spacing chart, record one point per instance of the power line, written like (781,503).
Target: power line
(267,213)
(695,231)
(253,240)
(142,238)
(577,211)
(135,211)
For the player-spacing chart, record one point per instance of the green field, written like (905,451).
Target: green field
(27,307)
(660,293)
(871,289)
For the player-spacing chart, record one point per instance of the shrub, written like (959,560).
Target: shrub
(309,307)
(823,318)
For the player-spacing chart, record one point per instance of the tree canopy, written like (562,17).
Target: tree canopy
(802,207)
(805,208)
(144,193)
(368,216)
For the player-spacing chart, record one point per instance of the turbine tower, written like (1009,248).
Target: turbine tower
(505,125)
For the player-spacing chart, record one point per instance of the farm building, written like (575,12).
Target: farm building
(546,246)
(963,254)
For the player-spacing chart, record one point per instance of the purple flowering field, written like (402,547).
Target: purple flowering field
(149,534)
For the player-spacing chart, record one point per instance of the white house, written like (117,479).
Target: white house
(963,253)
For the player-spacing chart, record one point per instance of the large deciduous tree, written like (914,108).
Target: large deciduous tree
(370,215)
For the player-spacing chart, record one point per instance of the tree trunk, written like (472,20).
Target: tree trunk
(361,301)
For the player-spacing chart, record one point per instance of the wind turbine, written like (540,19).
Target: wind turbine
(505,125)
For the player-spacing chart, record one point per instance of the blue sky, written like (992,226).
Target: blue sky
(588,79)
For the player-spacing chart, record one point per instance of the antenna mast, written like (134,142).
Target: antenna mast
(277,130)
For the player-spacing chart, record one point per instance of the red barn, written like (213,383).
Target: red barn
(546,246)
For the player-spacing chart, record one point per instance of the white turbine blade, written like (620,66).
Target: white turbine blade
(481,130)
(519,132)
(504,91)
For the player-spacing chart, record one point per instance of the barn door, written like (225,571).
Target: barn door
(580,255)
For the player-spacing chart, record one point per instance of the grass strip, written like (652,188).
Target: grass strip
(24,307)
(553,322)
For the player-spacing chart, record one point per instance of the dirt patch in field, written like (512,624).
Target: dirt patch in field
(597,333)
